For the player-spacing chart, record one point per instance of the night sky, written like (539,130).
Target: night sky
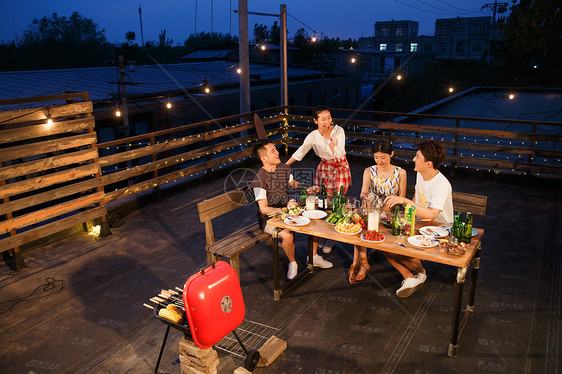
(333,18)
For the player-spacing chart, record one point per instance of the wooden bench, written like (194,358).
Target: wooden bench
(462,202)
(232,245)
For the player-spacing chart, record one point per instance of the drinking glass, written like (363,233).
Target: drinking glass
(352,201)
(401,222)
(347,210)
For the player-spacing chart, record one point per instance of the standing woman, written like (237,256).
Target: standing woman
(328,142)
(382,179)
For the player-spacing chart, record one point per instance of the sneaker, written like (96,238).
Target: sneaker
(328,245)
(422,276)
(293,270)
(409,286)
(318,261)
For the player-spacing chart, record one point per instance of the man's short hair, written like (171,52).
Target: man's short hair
(433,151)
(259,146)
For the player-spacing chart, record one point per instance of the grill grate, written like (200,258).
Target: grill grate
(252,334)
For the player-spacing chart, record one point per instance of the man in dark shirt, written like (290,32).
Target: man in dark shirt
(270,188)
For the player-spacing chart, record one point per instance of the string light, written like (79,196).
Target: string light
(353,59)
(169,105)
(239,71)
(399,77)
(49,119)
(451,89)
(511,96)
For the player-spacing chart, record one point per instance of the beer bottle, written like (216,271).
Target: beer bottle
(303,195)
(323,197)
(335,200)
(455,229)
(342,195)
(395,225)
(468,229)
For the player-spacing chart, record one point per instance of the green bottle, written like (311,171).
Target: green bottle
(395,225)
(455,229)
(335,201)
(468,229)
(342,195)
(303,195)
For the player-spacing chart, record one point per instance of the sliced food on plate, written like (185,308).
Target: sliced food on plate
(348,228)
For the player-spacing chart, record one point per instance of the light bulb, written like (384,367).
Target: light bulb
(169,105)
(353,60)
(207,90)
(451,89)
(398,77)
(239,71)
(118,113)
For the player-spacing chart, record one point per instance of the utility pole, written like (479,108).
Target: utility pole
(140,18)
(244,56)
(497,8)
(123,85)
(283,62)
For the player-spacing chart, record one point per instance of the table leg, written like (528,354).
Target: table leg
(459,282)
(310,265)
(276,288)
(475,265)
(162,349)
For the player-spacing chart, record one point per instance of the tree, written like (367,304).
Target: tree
(275,33)
(261,33)
(300,38)
(163,42)
(130,36)
(207,40)
(60,42)
(531,48)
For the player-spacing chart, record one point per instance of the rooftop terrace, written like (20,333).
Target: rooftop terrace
(77,308)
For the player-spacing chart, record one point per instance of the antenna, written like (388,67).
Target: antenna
(140,19)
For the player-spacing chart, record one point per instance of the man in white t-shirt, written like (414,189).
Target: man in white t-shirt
(433,201)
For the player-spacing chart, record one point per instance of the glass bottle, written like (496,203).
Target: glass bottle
(468,228)
(322,197)
(303,195)
(395,226)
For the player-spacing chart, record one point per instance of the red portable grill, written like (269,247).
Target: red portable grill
(214,306)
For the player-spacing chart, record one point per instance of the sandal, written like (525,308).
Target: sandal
(364,265)
(352,273)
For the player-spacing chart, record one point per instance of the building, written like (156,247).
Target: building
(393,36)
(460,38)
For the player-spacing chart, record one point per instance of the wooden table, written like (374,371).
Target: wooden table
(322,229)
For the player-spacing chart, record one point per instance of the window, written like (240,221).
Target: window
(461,30)
(444,29)
(382,47)
(414,47)
(460,46)
(442,47)
(479,28)
(384,31)
(400,31)
(398,47)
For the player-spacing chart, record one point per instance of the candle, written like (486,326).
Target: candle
(373,220)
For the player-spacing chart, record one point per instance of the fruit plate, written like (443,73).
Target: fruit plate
(422,241)
(348,233)
(314,214)
(371,241)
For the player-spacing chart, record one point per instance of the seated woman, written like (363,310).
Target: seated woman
(382,179)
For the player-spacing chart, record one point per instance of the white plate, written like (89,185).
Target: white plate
(422,241)
(314,214)
(434,231)
(297,221)
(348,233)
(371,241)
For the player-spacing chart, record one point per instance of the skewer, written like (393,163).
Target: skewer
(148,306)
(179,289)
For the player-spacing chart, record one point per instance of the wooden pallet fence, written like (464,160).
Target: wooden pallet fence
(50,177)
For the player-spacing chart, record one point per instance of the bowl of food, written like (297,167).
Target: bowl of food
(291,212)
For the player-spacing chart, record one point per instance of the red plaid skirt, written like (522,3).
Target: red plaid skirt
(335,173)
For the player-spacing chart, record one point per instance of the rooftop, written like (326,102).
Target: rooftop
(78,306)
